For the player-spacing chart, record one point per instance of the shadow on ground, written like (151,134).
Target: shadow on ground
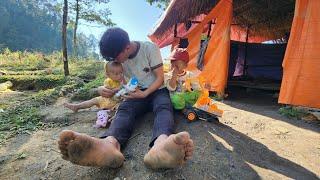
(226,154)
(264,103)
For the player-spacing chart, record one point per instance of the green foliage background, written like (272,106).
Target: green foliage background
(35,25)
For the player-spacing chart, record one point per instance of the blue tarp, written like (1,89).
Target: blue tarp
(263,61)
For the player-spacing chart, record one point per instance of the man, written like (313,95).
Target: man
(143,61)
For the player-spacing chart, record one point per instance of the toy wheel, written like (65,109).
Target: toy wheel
(191,116)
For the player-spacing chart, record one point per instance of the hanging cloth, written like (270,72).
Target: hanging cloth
(216,57)
(203,47)
(301,65)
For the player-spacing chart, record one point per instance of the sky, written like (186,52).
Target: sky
(137,17)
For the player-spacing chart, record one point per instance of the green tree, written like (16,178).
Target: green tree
(30,25)
(35,25)
(64,38)
(162,4)
(87,10)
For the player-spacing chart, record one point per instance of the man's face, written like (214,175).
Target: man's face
(123,56)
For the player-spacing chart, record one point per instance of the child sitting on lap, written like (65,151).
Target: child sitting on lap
(114,73)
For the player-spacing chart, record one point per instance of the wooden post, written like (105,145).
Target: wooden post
(64,38)
(245,67)
(175,31)
(75,45)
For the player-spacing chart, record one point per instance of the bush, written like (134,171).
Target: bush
(34,82)
(87,70)
(292,112)
(18,61)
(85,92)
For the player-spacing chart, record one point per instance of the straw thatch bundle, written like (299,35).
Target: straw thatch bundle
(270,18)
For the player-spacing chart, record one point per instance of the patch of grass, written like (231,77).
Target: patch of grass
(25,116)
(44,73)
(19,120)
(216,97)
(292,112)
(87,70)
(4,106)
(47,71)
(21,155)
(23,60)
(33,82)
(85,92)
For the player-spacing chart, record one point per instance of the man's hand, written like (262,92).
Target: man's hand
(137,94)
(105,92)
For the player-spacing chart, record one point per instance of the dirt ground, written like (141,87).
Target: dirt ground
(251,141)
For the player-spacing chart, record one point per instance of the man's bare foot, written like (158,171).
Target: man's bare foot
(71,106)
(84,150)
(170,152)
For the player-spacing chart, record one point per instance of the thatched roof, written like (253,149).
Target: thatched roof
(271,18)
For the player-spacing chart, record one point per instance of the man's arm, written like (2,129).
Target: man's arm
(153,87)
(156,65)
(158,82)
(154,56)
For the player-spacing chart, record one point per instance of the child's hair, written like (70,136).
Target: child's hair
(111,64)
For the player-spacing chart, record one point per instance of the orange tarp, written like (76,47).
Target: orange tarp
(240,34)
(168,37)
(237,34)
(301,65)
(216,57)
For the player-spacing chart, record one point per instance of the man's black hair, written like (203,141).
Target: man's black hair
(113,42)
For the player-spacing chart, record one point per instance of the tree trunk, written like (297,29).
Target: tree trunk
(75,45)
(64,38)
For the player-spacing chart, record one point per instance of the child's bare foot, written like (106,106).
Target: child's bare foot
(73,107)
(170,152)
(84,150)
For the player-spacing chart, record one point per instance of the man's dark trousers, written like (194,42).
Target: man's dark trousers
(126,117)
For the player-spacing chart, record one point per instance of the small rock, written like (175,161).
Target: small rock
(282,130)
(58,168)
(310,117)
(16,169)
